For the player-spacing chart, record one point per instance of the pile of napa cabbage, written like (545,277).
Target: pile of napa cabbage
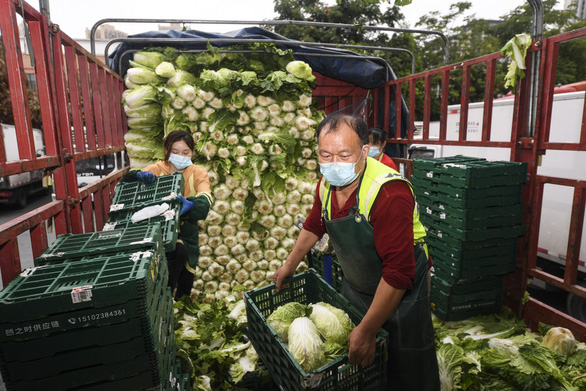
(315,334)
(497,352)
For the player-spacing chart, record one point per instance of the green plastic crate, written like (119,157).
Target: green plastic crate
(442,219)
(88,335)
(134,315)
(447,211)
(458,307)
(131,196)
(98,376)
(480,175)
(433,164)
(482,237)
(459,249)
(337,272)
(76,246)
(462,287)
(309,287)
(169,225)
(95,283)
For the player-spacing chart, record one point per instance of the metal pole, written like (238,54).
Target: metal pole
(534,82)
(270,23)
(44,8)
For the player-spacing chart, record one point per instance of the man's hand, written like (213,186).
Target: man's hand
(146,177)
(186,205)
(284,271)
(361,346)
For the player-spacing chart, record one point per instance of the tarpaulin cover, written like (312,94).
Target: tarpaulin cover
(357,70)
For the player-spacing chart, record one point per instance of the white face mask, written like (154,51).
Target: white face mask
(374,151)
(180,162)
(339,173)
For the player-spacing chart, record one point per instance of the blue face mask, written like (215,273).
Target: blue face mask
(374,151)
(180,162)
(339,173)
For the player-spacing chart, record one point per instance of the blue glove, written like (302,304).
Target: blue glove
(185,204)
(146,177)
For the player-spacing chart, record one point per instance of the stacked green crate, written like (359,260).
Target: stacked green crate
(473,215)
(103,322)
(130,197)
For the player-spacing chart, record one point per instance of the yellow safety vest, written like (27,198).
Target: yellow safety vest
(376,175)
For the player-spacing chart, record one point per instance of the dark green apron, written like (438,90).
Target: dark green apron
(412,360)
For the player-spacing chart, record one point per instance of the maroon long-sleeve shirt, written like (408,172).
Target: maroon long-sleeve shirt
(392,221)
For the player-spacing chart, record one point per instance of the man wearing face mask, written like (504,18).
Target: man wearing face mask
(377,139)
(370,214)
(196,201)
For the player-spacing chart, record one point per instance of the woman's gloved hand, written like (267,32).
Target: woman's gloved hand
(186,205)
(146,177)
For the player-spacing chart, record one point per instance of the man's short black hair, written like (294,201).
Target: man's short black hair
(378,135)
(333,122)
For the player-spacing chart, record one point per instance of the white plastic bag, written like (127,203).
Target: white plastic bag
(149,211)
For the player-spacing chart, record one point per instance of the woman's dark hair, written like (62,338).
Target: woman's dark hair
(333,122)
(378,135)
(173,137)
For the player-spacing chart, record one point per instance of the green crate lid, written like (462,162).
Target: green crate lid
(169,223)
(450,273)
(309,287)
(93,283)
(136,195)
(72,246)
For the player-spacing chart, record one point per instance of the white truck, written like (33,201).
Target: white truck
(566,123)
(15,189)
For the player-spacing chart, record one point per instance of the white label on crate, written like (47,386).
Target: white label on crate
(429,174)
(442,207)
(140,254)
(109,226)
(443,215)
(145,240)
(28,272)
(116,207)
(169,215)
(440,234)
(51,255)
(454,165)
(110,234)
(313,381)
(428,210)
(81,294)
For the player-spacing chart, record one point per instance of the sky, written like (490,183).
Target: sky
(75,16)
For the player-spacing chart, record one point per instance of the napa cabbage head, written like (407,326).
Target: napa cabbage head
(305,344)
(560,340)
(148,59)
(301,70)
(282,317)
(333,324)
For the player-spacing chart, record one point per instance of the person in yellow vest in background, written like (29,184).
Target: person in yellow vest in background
(369,211)
(195,205)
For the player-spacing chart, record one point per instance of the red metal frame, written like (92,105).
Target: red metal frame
(81,120)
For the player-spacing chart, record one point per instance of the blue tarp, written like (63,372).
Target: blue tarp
(358,70)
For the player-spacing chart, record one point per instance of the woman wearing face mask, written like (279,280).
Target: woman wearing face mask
(369,212)
(195,205)
(377,139)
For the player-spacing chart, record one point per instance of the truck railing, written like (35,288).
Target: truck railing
(82,118)
(523,147)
